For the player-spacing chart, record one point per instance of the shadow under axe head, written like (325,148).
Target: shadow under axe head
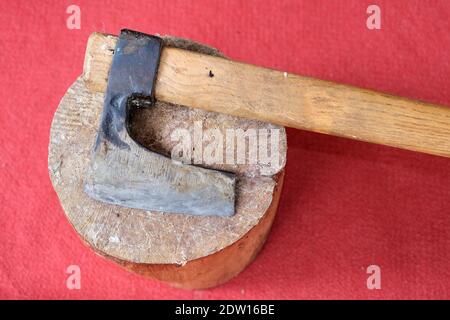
(122,172)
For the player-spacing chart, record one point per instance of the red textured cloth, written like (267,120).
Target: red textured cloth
(346,205)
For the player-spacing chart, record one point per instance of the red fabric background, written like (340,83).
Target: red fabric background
(345,205)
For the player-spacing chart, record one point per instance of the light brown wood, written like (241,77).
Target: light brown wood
(299,102)
(253,92)
(182,250)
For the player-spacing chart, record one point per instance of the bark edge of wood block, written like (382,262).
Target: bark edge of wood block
(185,251)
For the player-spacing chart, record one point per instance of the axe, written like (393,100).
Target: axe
(123,172)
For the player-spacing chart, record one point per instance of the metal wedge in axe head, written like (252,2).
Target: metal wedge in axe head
(122,172)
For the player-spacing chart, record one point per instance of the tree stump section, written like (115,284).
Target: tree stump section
(191,252)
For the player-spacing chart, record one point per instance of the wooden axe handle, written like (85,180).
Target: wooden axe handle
(243,90)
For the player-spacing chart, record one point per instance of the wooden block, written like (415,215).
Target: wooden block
(182,250)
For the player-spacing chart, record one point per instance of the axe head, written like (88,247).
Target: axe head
(122,172)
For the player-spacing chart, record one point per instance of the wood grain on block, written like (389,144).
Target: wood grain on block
(184,250)
(220,85)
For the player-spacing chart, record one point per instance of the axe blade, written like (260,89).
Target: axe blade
(122,172)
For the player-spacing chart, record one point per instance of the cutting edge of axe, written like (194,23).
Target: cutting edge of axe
(220,85)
